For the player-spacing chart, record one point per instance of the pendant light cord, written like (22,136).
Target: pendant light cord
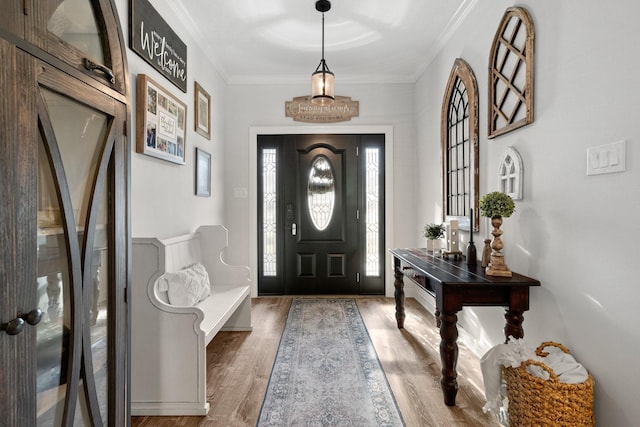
(322,36)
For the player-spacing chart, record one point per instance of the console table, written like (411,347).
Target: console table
(454,285)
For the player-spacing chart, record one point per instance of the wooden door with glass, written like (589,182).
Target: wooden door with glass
(64,265)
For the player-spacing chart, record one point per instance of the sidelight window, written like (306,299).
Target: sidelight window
(269,212)
(372,211)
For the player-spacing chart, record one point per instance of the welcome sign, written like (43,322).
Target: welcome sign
(301,109)
(153,40)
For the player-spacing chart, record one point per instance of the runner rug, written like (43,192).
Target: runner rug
(326,371)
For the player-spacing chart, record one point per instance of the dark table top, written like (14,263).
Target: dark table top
(453,271)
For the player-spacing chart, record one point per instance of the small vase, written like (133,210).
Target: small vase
(497,267)
(472,255)
(433,245)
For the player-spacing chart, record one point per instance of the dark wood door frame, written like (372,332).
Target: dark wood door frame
(254,131)
(339,264)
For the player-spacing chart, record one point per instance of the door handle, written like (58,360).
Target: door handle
(294,229)
(90,65)
(33,317)
(15,326)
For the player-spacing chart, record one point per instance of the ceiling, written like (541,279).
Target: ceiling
(279,41)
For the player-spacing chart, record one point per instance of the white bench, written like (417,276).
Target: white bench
(168,343)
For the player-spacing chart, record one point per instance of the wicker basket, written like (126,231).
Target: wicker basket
(534,401)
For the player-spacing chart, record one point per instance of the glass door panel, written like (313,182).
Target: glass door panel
(80,133)
(97,304)
(75,23)
(53,333)
(81,136)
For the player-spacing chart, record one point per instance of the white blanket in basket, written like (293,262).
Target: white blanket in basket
(512,355)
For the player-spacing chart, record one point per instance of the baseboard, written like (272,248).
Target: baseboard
(464,337)
(237,329)
(168,409)
(425,299)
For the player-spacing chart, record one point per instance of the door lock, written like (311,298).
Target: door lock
(294,229)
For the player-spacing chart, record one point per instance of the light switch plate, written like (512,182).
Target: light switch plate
(607,158)
(240,192)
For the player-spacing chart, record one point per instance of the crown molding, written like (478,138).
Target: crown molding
(180,11)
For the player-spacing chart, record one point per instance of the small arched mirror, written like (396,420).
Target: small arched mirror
(510,174)
(321,192)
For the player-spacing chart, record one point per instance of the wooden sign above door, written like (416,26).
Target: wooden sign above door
(301,109)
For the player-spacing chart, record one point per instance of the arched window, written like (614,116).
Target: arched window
(511,73)
(459,135)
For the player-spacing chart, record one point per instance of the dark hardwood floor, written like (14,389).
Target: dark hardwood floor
(239,365)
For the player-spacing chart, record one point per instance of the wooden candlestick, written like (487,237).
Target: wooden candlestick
(486,253)
(497,267)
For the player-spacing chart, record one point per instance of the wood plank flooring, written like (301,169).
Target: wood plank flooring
(239,365)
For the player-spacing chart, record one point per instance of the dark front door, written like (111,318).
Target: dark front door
(321,215)
(321,227)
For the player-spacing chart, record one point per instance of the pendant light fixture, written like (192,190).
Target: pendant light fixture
(322,80)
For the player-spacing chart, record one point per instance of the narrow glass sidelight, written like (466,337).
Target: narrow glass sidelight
(269,212)
(321,194)
(372,220)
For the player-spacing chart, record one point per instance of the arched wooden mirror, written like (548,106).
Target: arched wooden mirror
(460,152)
(511,73)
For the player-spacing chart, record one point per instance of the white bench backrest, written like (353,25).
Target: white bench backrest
(180,252)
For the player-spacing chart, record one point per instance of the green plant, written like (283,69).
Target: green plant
(496,204)
(434,231)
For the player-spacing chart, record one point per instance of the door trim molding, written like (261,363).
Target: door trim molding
(254,131)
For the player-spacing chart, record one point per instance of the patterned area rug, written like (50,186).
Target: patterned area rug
(326,371)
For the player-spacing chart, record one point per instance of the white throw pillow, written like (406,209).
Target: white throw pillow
(204,276)
(187,287)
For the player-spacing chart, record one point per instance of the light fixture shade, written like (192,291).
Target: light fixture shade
(322,87)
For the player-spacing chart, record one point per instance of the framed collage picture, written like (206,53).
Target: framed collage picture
(160,122)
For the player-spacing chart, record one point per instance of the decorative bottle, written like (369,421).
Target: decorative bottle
(472,256)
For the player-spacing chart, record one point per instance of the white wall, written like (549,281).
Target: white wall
(162,193)
(575,233)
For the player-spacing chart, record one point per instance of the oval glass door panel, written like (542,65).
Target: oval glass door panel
(321,192)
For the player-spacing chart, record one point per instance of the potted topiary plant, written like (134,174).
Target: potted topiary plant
(497,205)
(433,233)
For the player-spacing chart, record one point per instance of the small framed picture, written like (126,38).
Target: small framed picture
(203,173)
(203,111)
(160,122)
